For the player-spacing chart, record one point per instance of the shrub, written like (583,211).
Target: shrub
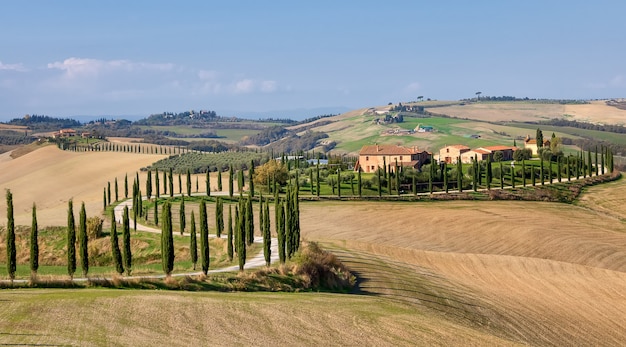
(94,227)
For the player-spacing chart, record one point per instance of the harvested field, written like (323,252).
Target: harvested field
(430,273)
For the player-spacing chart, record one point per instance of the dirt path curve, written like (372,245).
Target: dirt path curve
(257,261)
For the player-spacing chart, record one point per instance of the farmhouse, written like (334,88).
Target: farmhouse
(482,153)
(64,133)
(450,154)
(376,156)
(532,144)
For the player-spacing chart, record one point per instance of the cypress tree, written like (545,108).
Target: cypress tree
(126,186)
(219,179)
(524,173)
(445,177)
(115,247)
(149,185)
(240,181)
(597,169)
(339,181)
(219,217)
(513,176)
(602,152)
(241,234)
(71,240)
(489,173)
(104,198)
(230,233)
(164,182)
(127,255)
(280,229)
(501,176)
(207,182)
(288,226)
(180,184)
(267,238)
(157,184)
(249,221)
(204,238)
(34,243)
(167,239)
(533,175)
(11,251)
(171,181)
(541,173)
(109,192)
(116,191)
(459,174)
(359,183)
(193,243)
(156,212)
(388,183)
(251,178)
(182,215)
(188,182)
(197,186)
(589,163)
(83,241)
(559,159)
(397,174)
(475,173)
(539,138)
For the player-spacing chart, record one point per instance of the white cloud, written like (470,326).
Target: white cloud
(412,87)
(12,67)
(268,86)
(244,86)
(207,74)
(79,67)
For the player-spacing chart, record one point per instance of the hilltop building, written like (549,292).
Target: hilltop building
(532,144)
(376,156)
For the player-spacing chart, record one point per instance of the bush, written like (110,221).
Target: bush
(94,227)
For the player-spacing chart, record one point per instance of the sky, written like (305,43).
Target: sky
(116,58)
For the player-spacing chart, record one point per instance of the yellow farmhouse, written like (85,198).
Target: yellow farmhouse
(376,156)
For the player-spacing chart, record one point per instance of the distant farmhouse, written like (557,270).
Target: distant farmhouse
(64,133)
(376,156)
(451,154)
(532,144)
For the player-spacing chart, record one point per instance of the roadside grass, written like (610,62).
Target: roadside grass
(145,251)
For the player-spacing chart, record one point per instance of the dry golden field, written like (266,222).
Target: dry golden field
(429,273)
(594,112)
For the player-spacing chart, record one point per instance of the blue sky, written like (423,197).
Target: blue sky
(65,58)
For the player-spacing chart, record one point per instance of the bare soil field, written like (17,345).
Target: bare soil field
(429,273)
(594,112)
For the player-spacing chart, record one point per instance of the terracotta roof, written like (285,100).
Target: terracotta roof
(387,150)
(480,151)
(499,148)
(458,146)
(534,141)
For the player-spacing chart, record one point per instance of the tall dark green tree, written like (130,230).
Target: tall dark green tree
(127,253)
(501,176)
(445,177)
(171,183)
(71,240)
(164,182)
(230,234)
(83,240)
(180,184)
(204,238)
(115,247)
(188,182)
(267,238)
(317,178)
(241,238)
(11,251)
(524,173)
(249,227)
(541,173)
(251,178)
(149,185)
(34,243)
(167,239)
(459,174)
(193,243)
(539,138)
(280,229)
(126,186)
(207,182)
(219,179)
(359,183)
(117,198)
(182,220)
(240,181)
(104,197)
(109,192)
(219,216)
(156,212)
(156,184)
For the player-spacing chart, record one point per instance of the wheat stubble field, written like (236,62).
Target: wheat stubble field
(443,273)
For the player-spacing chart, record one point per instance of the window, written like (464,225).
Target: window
(447,150)
(372,167)
(367,158)
(400,158)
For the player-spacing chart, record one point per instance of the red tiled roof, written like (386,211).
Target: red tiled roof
(499,148)
(387,150)
(480,151)
(459,146)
